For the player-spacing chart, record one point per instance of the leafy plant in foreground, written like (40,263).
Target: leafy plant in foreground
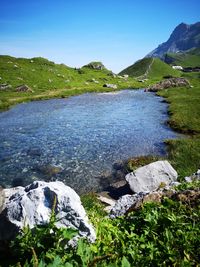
(164,234)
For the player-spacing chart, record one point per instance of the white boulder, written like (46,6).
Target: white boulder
(152,176)
(32,206)
(109,85)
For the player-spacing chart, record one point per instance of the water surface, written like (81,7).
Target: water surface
(82,139)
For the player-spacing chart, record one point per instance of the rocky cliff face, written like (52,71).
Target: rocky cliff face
(183,38)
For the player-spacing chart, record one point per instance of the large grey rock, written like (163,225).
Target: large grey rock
(168,83)
(150,177)
(32,205)
(95,66)
(124,203)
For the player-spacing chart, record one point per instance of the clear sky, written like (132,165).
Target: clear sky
(75,32)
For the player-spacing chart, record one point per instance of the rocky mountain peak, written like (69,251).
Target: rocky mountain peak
(179,31)
(183,38)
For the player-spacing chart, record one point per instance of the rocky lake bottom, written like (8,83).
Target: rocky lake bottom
(82,140)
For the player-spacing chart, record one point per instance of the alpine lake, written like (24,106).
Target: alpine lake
(82,140)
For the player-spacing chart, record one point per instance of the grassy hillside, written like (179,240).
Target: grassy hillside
(184,113)
(186,59)
(159,69)
(138,68)
(150,68)
(47,79)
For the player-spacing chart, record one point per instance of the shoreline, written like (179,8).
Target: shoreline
(63,93)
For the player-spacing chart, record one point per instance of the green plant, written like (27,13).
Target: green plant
(159,234)
(42,242)
(137,162)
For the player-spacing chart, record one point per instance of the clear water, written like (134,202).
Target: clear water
(80,140)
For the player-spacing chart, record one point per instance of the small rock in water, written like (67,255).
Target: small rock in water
(34,152)
(50,170)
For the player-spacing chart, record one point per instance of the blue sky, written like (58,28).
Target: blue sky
(76,32)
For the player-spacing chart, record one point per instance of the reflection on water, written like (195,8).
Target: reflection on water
(80,139)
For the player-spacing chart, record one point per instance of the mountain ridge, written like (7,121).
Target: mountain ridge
(183,38)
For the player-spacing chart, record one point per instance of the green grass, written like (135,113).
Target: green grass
(184,59)
(184,110)
(140,161)
(159,69)
(184,154)
(150,68)
(165,234)
(48,80)
(138,68)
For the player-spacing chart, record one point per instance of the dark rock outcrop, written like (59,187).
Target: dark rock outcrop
(95,66)
(23,88)
(168,83)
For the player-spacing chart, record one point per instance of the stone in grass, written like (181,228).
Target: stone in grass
(5,86)
(32,206)
(168,83)
(194,177)
(23,88)
(125,202)
(150,177)
(109,85)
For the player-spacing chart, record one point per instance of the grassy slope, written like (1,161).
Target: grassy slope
(151,68)
(189,59)
(48,80)
(159,69)
(138,68)
(184,112)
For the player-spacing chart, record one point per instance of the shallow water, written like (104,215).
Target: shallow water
(80,140)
